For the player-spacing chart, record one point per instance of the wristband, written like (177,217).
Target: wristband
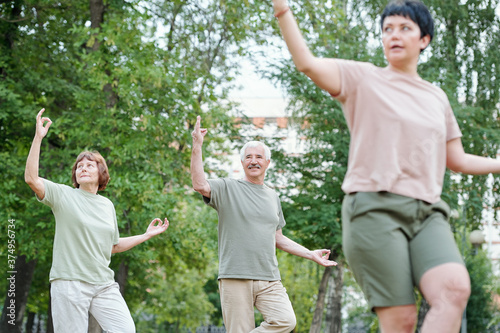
(278,14)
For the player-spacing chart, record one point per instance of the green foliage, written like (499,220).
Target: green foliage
(130,87)
(128,83)
(481,308)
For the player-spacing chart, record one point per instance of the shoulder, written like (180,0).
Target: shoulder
(345,64)
(219,181)
(437,92)
(104,199)
(56,186)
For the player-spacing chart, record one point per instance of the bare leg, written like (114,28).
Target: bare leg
(397,319)
(446,288)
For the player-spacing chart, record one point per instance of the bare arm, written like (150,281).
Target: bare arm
(32,163)
(127,243)
(198,179)
(324,72)
(318,256)
(459,161)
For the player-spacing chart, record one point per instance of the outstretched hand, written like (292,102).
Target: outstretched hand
(198,133)
(154,230)
(321,257)
(42,128)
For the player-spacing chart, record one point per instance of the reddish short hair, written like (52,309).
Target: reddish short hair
(101,165)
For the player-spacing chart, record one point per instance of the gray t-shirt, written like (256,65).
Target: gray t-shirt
(86,231)
(249,216)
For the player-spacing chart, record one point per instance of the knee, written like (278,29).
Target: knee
(446,285)
(287,324)
(408,321)
(130,329)
(397,319)
(292,322)
(457,292)
(127,326)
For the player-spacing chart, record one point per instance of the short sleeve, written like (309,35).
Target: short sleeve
(281,222)
(116,237)
(452,128)
(216,187)
(351,74)
(53,193)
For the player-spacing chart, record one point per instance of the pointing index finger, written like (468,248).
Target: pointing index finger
(198,121)
(39,115)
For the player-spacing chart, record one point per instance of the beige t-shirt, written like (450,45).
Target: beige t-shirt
(399,128)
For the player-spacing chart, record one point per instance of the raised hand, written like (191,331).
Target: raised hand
(42,124)
(198,133)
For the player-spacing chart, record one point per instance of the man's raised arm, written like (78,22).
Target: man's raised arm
(198,179)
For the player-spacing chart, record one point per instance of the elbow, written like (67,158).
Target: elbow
(202,187)
(198,188)
(458,167)
(29,180)
(305,61)
(304,67)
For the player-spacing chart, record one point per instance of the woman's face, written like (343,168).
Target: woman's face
(401,40)
(87,172)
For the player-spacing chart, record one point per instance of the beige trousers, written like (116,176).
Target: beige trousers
(72,301)
(239,297)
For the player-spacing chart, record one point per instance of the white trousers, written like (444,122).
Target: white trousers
(72,301)
(239,297)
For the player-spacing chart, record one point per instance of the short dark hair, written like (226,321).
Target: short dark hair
(101,166)
(415,10)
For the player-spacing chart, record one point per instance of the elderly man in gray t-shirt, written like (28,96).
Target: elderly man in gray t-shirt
(250,223)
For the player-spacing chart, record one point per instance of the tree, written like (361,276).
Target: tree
(111,80)
(480,308)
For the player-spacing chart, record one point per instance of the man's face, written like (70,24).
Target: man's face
(255,163)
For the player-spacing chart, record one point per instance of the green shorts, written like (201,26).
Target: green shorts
(390,241)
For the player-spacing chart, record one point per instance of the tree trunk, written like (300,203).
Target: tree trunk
(96,18)
(97,10)
(122,276)
(30,322)
(320,303)
(334,303)
(94,326)
(424,308)
(17,295)
(50,324)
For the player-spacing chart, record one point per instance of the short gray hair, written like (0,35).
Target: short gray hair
(252,144)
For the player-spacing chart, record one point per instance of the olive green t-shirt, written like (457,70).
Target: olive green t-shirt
(86,230)
(249,216)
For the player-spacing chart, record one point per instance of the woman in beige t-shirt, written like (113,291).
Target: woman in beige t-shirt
(403,136)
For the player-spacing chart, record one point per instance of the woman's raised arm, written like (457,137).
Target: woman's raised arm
(323,71)
(31,173)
